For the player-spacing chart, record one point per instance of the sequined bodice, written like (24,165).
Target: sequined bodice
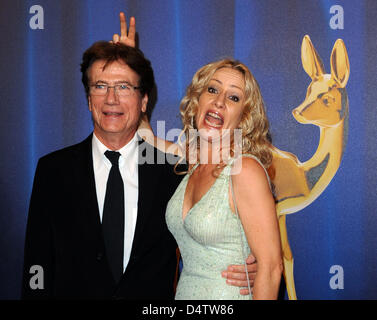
(210,238)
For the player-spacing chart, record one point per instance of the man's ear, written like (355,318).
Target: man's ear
(144,103)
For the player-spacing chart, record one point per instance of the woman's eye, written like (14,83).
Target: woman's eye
(212,90)
(234,98)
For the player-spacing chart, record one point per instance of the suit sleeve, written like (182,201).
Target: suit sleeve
(38,253)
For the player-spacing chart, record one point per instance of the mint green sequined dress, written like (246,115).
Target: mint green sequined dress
(210,239)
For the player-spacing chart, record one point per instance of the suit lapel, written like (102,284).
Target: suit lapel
(85,182)
(149,175)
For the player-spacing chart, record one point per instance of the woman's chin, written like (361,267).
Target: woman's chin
(214,135)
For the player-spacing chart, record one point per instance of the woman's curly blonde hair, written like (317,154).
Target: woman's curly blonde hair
(254,123)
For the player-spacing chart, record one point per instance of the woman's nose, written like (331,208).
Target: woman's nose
(220,100)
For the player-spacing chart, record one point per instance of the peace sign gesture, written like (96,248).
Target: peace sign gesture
(129,39)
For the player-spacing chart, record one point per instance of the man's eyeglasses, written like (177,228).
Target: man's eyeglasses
(122,89)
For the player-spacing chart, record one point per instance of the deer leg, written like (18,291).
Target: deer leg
(287,259)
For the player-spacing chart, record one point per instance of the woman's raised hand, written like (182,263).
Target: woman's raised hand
(127,39)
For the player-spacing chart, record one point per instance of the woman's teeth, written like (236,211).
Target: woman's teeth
(213,119)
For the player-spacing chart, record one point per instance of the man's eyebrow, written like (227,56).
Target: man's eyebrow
(116,82)
(230,85)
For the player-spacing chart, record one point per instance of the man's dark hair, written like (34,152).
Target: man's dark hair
(109,52)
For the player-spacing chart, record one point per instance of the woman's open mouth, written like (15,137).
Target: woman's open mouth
(214,119)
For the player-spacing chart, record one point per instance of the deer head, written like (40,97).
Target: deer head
(326,102)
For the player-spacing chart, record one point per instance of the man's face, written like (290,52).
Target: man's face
(115,117)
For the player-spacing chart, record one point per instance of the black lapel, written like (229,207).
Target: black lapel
(149,175)
(86,187)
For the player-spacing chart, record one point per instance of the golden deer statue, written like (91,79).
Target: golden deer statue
(298,184)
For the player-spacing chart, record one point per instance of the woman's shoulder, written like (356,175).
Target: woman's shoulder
(248,168)
(246,162)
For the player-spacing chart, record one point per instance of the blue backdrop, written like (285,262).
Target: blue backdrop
(43,108)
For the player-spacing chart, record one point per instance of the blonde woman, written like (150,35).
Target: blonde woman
(224,209)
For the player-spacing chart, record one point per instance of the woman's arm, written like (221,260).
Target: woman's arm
(256,208)
(145,130)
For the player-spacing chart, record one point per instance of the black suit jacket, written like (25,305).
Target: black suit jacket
(64,233)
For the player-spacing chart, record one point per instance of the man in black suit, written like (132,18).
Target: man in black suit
(77,246)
